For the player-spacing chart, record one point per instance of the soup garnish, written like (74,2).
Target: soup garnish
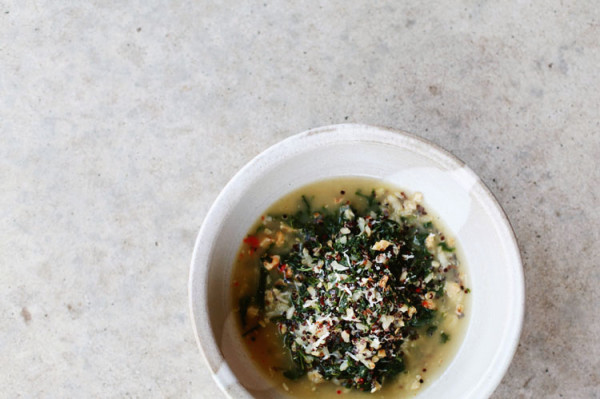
(346,286)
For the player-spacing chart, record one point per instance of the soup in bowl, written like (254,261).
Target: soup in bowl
(353,260)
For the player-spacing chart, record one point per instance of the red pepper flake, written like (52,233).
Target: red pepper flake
(339,391)
(252,241)
(235,284)
(262,217)
(417,290)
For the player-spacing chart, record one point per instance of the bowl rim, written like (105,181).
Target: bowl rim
(387,136)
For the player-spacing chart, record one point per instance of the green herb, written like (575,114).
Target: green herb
(426,317)
(371,198)
(306,204)
(294,374)
(431,330)
(444,338)
(244,302)
(262,285)
(445,247)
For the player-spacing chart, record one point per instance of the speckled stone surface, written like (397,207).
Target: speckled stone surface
(120,122)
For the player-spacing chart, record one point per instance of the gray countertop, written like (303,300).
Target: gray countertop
(120,122)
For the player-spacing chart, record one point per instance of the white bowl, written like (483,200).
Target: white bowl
(450,189)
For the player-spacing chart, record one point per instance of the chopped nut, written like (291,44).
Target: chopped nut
(453,290)
(344,365)
(395,203)
(381,258)
(348,214)
(285,228)
(345,336)
(252,311)
(279,238)
(265,242)
(381,245)
(410,206)
(411,311)
(430,242)
(315,377)
(289,272)
(376,387)
(386,320)
(290,312)
(383,282)
(274,262)
(269,297)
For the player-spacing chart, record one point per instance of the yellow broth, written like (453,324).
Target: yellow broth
(425,357)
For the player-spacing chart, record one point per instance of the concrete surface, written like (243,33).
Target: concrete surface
(121,121)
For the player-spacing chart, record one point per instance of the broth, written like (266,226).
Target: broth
(425,357)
